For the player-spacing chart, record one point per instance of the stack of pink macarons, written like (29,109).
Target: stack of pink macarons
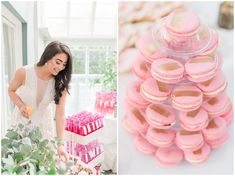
(178,108)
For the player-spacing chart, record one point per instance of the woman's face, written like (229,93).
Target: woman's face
(57,63)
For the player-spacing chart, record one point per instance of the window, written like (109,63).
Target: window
(79,58)
(74,19)
(96,58)
(12,58)
(83,86)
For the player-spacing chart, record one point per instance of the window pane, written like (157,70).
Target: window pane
(79,62)
(105,27)
(80,27)
(55,9)
(112,54)
(57,27)
(81,10)
(106,10)
(96,61)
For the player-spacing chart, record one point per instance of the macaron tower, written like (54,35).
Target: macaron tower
(178,109)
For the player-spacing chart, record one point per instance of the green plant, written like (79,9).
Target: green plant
(109,74)
(24,151)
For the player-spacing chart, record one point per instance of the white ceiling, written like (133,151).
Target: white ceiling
(74,19)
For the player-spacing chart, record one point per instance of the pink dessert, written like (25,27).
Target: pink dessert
(186,98)
(89,151)
(182,23)
(154,91)
(220,59)
(160,116)
(134,97)
(216,128)
(189,141)
(128,127)
(214,86)
(228,117)
(160,137)
(198,156)
(217,106)
(194,120)
(140,69)
(167,70)
(169,156)
(105,102)
(126,59)
(84,123)
(144,146)
(218,142)
(201,68)
(136,119)
(148,49)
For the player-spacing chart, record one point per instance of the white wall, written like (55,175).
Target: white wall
(28,10)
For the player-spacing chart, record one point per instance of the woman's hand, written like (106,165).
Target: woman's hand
(62,152)
(24,111)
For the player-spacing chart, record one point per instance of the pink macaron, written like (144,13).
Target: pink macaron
(186,98)
(182,23)
(140,69)
(133,96)
(167,70)
(170,156)
(218,142)
(189,141)
(160,116)
(194,120)
(214,86)
(216,128)
(136,119)
(228,117)
(148,49)
(201,68)
(144,146)
(160,137)
(198,156)
(129,127)
(154,91)
(218,105)
(126,59)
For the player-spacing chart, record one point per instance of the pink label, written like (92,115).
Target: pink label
(92,153)
(88,128)
(84,130)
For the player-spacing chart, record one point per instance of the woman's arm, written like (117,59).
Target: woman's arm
(60,116)
(60,123)
(17,81)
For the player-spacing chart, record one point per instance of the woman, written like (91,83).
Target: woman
(34,87)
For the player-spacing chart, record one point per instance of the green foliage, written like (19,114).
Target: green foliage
(108,70)
(24,151)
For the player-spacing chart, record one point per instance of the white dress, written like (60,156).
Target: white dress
(38,94)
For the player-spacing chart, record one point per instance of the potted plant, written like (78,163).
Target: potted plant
(24,151)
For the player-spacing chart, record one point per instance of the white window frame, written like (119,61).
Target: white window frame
(11,20)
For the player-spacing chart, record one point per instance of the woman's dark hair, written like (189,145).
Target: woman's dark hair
(63,78)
